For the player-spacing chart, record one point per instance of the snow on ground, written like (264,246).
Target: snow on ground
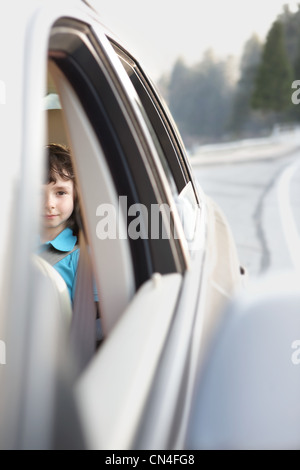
(279,143)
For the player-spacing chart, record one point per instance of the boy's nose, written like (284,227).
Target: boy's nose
(49,201)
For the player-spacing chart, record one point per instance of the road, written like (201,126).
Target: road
(259,193)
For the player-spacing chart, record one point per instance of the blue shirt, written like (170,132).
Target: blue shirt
(67,267)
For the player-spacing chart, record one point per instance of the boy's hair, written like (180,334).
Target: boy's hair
(59,164)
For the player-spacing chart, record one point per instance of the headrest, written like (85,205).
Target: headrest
(56,127)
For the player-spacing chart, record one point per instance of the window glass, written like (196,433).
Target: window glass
(128,152)
(160,128)
(168,151)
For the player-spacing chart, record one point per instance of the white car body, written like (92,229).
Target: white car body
(159,319)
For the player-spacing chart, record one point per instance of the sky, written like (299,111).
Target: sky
(158,32)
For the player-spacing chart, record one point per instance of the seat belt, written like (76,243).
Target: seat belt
(83,326)
(53,256)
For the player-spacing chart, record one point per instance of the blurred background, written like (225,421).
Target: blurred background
(212,61)
(226,70)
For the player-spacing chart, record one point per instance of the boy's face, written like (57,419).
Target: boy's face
(58,206)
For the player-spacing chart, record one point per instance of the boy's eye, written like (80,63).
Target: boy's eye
(61,193)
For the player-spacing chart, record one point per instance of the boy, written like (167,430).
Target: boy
(59,229)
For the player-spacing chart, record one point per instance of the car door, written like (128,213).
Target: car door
(116,157)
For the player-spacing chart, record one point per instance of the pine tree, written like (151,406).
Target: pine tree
(243,117)
(272,90)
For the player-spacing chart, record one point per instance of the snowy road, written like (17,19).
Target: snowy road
(257,185)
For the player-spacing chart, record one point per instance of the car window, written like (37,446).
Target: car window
(168,143)
(118,165)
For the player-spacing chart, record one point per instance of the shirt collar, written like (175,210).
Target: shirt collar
(65,240)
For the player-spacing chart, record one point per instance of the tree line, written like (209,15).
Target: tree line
(208,104)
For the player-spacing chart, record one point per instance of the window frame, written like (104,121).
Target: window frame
(160,118)
(145,182)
